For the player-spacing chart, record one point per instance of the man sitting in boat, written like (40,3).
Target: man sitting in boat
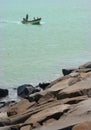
(26,17)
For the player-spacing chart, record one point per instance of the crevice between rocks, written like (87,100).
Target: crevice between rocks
(55,116)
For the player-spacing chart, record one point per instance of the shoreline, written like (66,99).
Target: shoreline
(65,100)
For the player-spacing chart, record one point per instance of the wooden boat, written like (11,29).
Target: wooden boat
(34,21)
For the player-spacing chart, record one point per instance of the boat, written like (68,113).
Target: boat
(34,21)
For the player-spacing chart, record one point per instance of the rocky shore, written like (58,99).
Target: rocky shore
(63,104)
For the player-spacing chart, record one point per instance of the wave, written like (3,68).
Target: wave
(42,22)
(11,22)
(15,22)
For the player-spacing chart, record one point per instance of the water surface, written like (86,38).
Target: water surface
(33,54)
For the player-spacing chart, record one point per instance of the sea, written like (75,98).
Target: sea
(30,54)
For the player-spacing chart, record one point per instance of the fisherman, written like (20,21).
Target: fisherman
(24,20)
(26,17)
(34,18)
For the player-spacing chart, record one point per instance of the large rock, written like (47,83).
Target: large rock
(26,89)
(80,88)
(43,85)
(3,92)
(47,114)
(19,107)
(83,68)
(87,65)
(68,71)
(83,126)
(80,112)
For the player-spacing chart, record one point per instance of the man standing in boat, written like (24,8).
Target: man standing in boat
(26,17)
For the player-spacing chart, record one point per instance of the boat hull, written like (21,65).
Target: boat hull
(34,22)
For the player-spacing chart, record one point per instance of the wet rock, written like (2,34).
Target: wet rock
(83,68)
(2,104)
(34,97)
(68,71)
(3,92)
(25,90)
(43,85)
(6,104)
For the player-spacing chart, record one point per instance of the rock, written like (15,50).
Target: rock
(2,104)
(74,100)
(34,97)
(74,81)
(19,119)
(3,92)
(25,90)
(87,65)
(84,70)
(3,115)
(27,127)
(79,89)
(47,114)
(43,85)
(46,98)
(19,107)
(68,71)
(5,128)
(61,105)
(80,112)
(11,127)
(5,105)
(83,126)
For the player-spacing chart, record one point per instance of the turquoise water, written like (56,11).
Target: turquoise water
(37,53)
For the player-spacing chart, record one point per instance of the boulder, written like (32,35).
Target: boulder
(79,89)
(25,90)
(34,97)
(67,71)
(3,92)
(43,85)
(19,107)
(83,68)
(87,65)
